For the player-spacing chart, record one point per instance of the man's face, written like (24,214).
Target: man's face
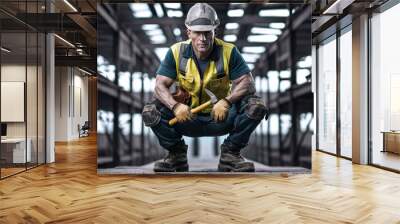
(202,41)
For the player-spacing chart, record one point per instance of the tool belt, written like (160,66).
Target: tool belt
(181,96)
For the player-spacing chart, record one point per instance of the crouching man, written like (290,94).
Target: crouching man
(200,65)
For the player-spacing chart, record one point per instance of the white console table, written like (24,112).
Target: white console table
(18,149)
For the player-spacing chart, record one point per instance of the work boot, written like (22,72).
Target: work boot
(175,161)
(232,161)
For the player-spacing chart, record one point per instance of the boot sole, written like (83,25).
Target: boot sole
(229,168)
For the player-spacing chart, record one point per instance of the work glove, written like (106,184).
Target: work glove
(220,110)
(182,112)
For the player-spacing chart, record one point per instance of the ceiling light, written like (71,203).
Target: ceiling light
(251,66)
(303,72)
(230,38)
(305,63)
(71,6)
(261,30)
(273,81)
(101,60)
(272,73)
(154,32)
(5,50)
(143,14)
(159,10)
(284,74)
(231,26)
(274,13)
(235,13)
(172,5)
(138,7)
(301,75)
(64,40)
(158,39)
(140,10)
(284,85)
(150,26)
(257,81)
(262,38)
(177,31)
(277,25)
(264,84)
(254,50)
(161,52)
(174,13)
(250,57)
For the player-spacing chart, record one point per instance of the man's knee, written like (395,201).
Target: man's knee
(151,115)
(255,108)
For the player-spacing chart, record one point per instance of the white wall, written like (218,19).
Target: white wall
(62,81)
(71,94)
(80,101)
(13,73)
(33,126)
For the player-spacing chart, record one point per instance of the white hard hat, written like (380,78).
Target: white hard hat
(202,17)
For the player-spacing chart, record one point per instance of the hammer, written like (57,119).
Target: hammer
(213,100)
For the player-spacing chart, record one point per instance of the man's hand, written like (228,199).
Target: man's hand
(220,110)
(182,112)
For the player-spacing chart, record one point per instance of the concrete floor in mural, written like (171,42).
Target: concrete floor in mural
(199,166)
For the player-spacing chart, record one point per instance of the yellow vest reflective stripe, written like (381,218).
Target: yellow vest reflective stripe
(215,77)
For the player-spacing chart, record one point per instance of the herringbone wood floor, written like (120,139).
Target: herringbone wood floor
(70,191)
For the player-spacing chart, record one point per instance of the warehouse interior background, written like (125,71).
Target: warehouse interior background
(275,42)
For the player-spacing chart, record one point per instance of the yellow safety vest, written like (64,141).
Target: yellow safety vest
(215,77)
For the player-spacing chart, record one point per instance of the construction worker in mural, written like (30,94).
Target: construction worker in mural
(214,96)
